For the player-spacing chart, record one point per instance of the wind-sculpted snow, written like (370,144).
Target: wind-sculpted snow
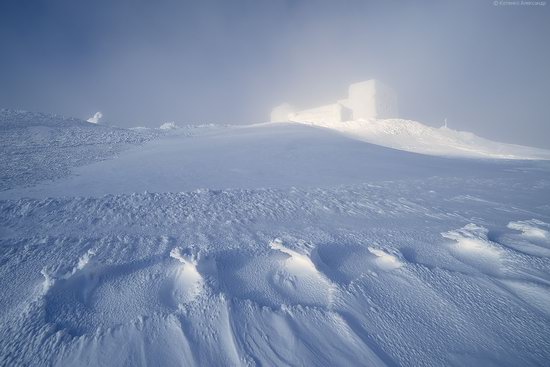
(534,238)
(278,277)
(533,229)
(260,156)
(473,248)
(36,147)
(525,282)
(376,269)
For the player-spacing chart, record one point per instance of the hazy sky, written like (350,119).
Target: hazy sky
(485,67)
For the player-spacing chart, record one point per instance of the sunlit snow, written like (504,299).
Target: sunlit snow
(272,244)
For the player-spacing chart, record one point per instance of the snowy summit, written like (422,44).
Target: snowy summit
(268,244)
(370,113)
(341,233)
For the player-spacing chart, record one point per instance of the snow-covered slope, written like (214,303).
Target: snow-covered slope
(35,147)
(274,245)
(416,137)
(265,155)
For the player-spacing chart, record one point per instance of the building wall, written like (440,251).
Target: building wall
(372,100)
(329,113)
(366,100)
(282,113)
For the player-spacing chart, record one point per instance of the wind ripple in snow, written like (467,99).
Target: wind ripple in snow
(94,295)
(534,238)
(531,287)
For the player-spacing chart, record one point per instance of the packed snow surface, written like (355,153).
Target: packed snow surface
(268,245)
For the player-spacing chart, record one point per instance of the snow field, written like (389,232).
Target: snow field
(268,305)
(318,250)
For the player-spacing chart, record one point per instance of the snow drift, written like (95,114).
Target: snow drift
(273,244)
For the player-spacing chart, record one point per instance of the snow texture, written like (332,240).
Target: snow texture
(268,245)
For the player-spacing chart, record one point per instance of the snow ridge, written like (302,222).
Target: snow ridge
(416,137)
